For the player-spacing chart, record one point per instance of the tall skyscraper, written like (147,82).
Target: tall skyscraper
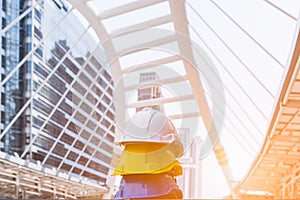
(191,180)
(149,91)
(56,98)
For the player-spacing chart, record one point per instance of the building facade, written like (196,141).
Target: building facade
(149,91)
(56,93)
(191,180)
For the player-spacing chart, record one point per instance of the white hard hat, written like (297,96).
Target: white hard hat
(149,125)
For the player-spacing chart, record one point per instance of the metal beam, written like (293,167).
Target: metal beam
(147,45)
(159,101)
(150,64)
(160,82)
(184,115)
(147,24)
(128,7)
(180,24)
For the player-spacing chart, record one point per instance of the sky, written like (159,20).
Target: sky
(249,43)
(275,32)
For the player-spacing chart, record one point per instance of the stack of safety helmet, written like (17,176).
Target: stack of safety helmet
(148,164)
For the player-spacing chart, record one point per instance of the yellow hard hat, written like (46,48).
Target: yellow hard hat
(148,158)
(174,169)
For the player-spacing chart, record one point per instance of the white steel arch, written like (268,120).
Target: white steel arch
(185,54)
(161,42)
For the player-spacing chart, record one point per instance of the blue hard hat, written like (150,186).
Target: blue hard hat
(148,186)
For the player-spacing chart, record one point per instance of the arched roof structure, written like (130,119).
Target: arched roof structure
(187,53)
(191,59)
(213,60)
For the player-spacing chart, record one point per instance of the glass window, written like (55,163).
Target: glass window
(101,156)
(38,33)
(106,99)
(72,127)
(53,161)
(100,131)
(39,52)
(66,167)
(29,30)
(72,156)
(70,65)
(105,123)
(110,91)
(3,45)
(3,22)
(2,117)
(59,117)
(102,83)
(79,145)
(79,88)
(52,129)
(3,60)
(28,47)
(96,63)
(66,107)
(110,115)
(110,138)
(86,108)
(4,5)
(85,134)
(92,176)
(112,129)
(80,117)
(60,150)
(91,98)
(3,77)
(90,70)
(107,76)
(85,79)
(97,167)
(91,125)
(40,70)
(38,14)
(42,106)
(82,160)
(67,139)
(106,147)
(95,140)
(52,62)
(37,122)
(57,84)
(76,170)
(101,107)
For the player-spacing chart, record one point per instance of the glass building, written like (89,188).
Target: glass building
(57,112)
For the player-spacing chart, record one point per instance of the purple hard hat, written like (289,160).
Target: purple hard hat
(148,186)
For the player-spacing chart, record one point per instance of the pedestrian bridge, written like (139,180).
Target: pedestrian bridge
(228,72)
(275,169)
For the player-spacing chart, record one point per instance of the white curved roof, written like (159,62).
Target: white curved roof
(246,43)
